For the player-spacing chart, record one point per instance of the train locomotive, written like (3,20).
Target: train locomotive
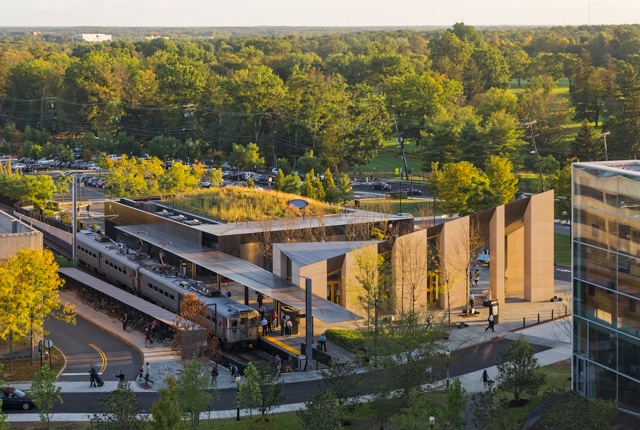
(236,325)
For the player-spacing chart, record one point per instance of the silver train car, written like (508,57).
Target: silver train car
(236,325)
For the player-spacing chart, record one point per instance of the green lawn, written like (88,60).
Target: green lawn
(562,249)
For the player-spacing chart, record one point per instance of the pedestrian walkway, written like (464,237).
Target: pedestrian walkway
(556,335)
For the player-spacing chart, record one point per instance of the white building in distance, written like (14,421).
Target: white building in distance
(96,37)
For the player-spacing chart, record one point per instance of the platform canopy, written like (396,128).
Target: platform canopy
(147,308)
(243,272)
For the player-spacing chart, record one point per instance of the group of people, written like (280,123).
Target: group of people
(95,380)
(143,373)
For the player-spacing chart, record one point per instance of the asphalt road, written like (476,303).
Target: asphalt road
(462,361)
(84,344)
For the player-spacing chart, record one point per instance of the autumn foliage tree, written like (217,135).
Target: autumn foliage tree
(195,335)
(29,287)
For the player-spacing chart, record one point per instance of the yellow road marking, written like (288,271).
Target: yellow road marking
(103,357)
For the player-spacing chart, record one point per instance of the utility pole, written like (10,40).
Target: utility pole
(400,141)
(604,140)
(529,126)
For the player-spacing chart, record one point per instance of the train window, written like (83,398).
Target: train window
(234,323)
(243,321)
(171,297)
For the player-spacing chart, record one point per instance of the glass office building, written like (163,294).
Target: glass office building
(606,281)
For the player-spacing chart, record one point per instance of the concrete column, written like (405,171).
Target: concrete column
(538,248)
(497,264)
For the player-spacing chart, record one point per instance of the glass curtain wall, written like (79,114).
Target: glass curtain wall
(606,281)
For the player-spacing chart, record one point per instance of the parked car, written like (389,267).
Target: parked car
(414,192)
(205,184)
(380,185)
(12,398)
(484,258)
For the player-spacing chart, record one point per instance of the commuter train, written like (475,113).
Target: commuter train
(236,324)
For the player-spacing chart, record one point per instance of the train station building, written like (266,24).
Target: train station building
(337,254)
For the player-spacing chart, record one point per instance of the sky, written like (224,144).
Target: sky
(312,13)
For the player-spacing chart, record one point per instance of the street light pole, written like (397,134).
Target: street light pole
(238,398)
(604,140)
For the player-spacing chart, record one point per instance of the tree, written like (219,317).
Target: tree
(518,370)
(29,285)
(247,157)
(411,354)
(45,393)
(415,416)
(343,381)
(167,411)
(587,145)
(502,182)
(456,403)
(180,178)
(128,179)
(331,192)
(260,389)
(193,385)
(562,190)
(322,412)
(122,411)
(344,188)
(459,186)
(195,334)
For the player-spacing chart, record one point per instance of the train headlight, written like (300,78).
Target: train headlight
(235,335)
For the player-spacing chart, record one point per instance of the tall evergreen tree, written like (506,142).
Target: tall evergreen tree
(587,145)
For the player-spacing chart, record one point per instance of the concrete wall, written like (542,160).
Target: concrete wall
(352,270)
(16,235)
(514,267)
(317,272)
(454,241)
(409,273)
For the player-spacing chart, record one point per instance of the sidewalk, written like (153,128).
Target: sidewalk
(555,334)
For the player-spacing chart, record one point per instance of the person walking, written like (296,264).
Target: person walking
(234,372)
(147,337)
(214,373)
(141,373)
(322,340)
(490,326)
(264,323)
(472,302)
(477,276)
(120,377)
(125,321)
(263,311)
(485,379)
(147,371)
(259,298)
(289,327)
(88,209)
(278,364)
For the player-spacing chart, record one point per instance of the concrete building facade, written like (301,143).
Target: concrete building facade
(606,281)
(16,235)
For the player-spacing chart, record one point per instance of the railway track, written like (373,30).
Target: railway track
(240,359)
